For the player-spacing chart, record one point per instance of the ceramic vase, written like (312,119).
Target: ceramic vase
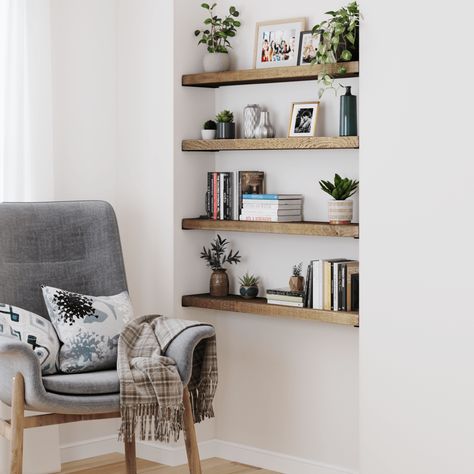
(251,120)
(216,62)
(225,130)
(264,128)
(219,285)
(348,114)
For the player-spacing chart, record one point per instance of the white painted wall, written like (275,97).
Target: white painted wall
(416,350)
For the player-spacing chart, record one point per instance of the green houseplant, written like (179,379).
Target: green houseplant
(340,208)
(215,36)
(339,42)
(225,124)
(208,131)
(297,280)
(248,286)
(216,257)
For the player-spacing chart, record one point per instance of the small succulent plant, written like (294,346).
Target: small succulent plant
(216,256)
(226,116)
(341,189)
(297,269)
(209,125)
(249,280)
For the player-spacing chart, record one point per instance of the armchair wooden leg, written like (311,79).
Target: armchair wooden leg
(192,449)
(130,457)
(17,424)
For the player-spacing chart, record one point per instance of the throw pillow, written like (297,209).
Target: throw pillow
(34,330)
(88,327)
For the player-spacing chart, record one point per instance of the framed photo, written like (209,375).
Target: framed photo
(276,42)
(303,119)
(307,48)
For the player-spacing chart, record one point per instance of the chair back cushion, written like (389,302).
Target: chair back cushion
(70,245)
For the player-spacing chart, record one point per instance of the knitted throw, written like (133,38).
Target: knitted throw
(151,390)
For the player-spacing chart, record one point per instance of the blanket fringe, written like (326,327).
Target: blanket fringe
(201,398)
(151,422)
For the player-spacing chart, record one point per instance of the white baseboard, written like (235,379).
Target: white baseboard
(176,455)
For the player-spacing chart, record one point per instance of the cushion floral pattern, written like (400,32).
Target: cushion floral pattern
(34,330)
(88,327)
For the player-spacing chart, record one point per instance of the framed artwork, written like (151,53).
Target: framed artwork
(308,46)
(276,42)
(303,119)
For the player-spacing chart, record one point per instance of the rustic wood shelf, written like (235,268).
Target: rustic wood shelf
(321,229)
(268,75)
(260,306)
(308,143)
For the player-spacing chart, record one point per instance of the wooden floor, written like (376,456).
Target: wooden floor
(114,464)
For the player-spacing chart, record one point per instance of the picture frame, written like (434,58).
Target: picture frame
(276,42)
(308,46)
(303,119)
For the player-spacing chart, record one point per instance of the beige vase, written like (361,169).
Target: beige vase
(340,212)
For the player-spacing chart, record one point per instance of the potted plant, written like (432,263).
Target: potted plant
(208,131)
(296,280)
(225,124)
(216,37)
(339,42)
(216,257)
(340,209)
(248,286)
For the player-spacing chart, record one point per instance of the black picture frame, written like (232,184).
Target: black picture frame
(300,48)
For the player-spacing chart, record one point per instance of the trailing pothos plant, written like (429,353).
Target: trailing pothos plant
(218,30)
(338,42)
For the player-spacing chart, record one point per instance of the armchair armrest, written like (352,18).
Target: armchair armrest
(181,348)
(17,356)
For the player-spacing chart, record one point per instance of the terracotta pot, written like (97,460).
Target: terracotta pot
(219,285)
(296,283)
(340,212)
(249,292)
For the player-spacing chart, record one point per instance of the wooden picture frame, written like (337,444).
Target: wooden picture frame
(285,35)
(303,119)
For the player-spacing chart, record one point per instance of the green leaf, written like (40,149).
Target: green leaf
(208,21)
(236,13)
(237,23)
(232,10)
(197,32)
(205,5)
(346,55)
(350,38)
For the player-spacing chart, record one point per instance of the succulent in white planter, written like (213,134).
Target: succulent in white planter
(215,36)
(340,208)
(208,131)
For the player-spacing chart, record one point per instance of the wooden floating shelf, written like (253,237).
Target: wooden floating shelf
(260,306)
(322,229)
(268,75)
(308,143)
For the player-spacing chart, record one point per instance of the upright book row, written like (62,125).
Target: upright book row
(332,285)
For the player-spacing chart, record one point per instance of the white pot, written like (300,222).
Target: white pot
(216,62)
(208,134)
(340,212)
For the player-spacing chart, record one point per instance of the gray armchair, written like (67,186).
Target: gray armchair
(74,246)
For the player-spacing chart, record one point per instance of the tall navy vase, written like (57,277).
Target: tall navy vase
(348,114)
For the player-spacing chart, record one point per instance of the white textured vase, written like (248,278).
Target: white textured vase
(251,119)
(264,128)
(340,212)
(216,62)
(208,134)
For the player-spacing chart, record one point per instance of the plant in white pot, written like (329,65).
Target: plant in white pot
(216,36)
(208,131)
(340,208)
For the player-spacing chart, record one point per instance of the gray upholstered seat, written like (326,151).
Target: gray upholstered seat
(104,382)
(74,246)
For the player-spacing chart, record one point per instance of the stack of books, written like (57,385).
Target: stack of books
(272,207)
(332,285)
(285,297)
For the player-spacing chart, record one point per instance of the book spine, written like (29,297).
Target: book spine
(333,292)
(208,195)
(306,288)
(214,196)
(260,196)
(339,287)
(294,299)
(285,292)
(225,200)
(230,193)
(355,292)
(285,303)
(310,297)
(343,287)
(327,286)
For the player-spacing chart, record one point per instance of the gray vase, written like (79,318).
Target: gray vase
(264,128)
(251,119)
(225,130)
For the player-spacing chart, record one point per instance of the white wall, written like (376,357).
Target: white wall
(416,349)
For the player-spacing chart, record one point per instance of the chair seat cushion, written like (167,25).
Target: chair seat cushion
(91,383)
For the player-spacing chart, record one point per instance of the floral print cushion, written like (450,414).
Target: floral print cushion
(88,327)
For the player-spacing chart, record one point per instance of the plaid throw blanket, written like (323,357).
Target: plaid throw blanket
(151,391)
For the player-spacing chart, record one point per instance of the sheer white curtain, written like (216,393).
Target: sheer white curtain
(26,130)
